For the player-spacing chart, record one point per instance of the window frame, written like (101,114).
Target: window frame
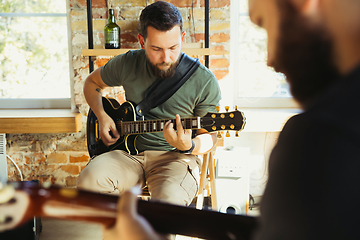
(248,102)
(45,103)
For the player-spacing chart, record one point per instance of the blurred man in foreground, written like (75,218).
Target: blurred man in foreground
(313,170)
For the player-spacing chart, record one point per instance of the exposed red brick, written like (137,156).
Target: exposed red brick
(220,38)
(128,38)
(198,36)
(71,146)
(27,160)
(121,98)
(94,3)
(39,158)
(219,50)
(15,159)
(181,3)
(101,61)
(48,169)
(219,63)
(216,3)
(56,158)
(128,45)
(72,169)
(220,74)
(82,158)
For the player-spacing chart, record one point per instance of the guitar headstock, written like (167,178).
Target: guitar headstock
(224,121)
(13,207)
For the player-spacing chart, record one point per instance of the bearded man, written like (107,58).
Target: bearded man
(165,161)
(313,187)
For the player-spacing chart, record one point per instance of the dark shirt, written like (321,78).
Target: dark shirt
(313,190)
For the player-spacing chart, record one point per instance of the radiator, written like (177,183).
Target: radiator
(3,165)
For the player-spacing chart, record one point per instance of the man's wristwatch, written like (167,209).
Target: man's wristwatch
(190,150)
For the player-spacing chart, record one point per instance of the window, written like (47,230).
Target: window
(256,84)
(35,68)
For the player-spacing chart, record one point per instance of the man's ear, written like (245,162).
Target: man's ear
(141,41)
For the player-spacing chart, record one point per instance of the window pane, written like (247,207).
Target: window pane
(34,60)
(33,6)
(256,80)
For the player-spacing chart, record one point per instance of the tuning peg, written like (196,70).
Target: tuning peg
(227,134)
(219,134)
(237,134)
(236,107)
(227,108)
(218,108)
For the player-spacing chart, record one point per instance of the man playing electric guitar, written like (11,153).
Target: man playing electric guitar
(166,161)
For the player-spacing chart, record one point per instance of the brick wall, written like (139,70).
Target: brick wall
(59,158)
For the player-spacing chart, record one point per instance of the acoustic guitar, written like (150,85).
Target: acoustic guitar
(21,201)
(129,125)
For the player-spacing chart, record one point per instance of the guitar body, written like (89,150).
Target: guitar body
(119,113)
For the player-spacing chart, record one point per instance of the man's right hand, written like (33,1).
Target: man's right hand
(129,224)
(107,130)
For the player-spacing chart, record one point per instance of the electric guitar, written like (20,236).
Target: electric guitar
(22,201)
(129,125)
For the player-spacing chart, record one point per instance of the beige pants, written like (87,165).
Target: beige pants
(170,176)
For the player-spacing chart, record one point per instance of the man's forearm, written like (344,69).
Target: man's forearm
(93,94)
(204,143)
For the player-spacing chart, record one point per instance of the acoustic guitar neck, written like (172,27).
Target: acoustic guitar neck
(73,204)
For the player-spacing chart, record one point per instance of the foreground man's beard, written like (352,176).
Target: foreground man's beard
(160,73)
(304,55)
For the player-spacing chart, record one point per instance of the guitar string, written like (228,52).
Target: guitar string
(152,125)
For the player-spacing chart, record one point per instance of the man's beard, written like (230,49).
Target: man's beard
(160,73)
(304,55)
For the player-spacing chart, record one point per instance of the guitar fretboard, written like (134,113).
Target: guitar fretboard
(149,126)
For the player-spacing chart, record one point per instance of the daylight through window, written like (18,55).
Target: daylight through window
(34,56)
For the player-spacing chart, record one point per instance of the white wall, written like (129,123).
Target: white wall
(261,145)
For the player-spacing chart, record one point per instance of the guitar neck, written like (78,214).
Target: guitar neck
(100,208)
(156,125)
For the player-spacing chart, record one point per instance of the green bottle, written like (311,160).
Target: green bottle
(112,32)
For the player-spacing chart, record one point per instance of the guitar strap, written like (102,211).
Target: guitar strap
(162,89)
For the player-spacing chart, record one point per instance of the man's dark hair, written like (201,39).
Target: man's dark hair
(160,15)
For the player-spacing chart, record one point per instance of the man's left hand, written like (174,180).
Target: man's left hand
(179,138)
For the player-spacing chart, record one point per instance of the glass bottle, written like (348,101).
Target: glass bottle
(112,32)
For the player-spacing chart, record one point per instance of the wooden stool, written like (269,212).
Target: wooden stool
(207,180)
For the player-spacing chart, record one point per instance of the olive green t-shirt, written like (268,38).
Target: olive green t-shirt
(199,95)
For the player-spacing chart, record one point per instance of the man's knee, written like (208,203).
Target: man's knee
(96,180)
(86,179)
(174,194)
